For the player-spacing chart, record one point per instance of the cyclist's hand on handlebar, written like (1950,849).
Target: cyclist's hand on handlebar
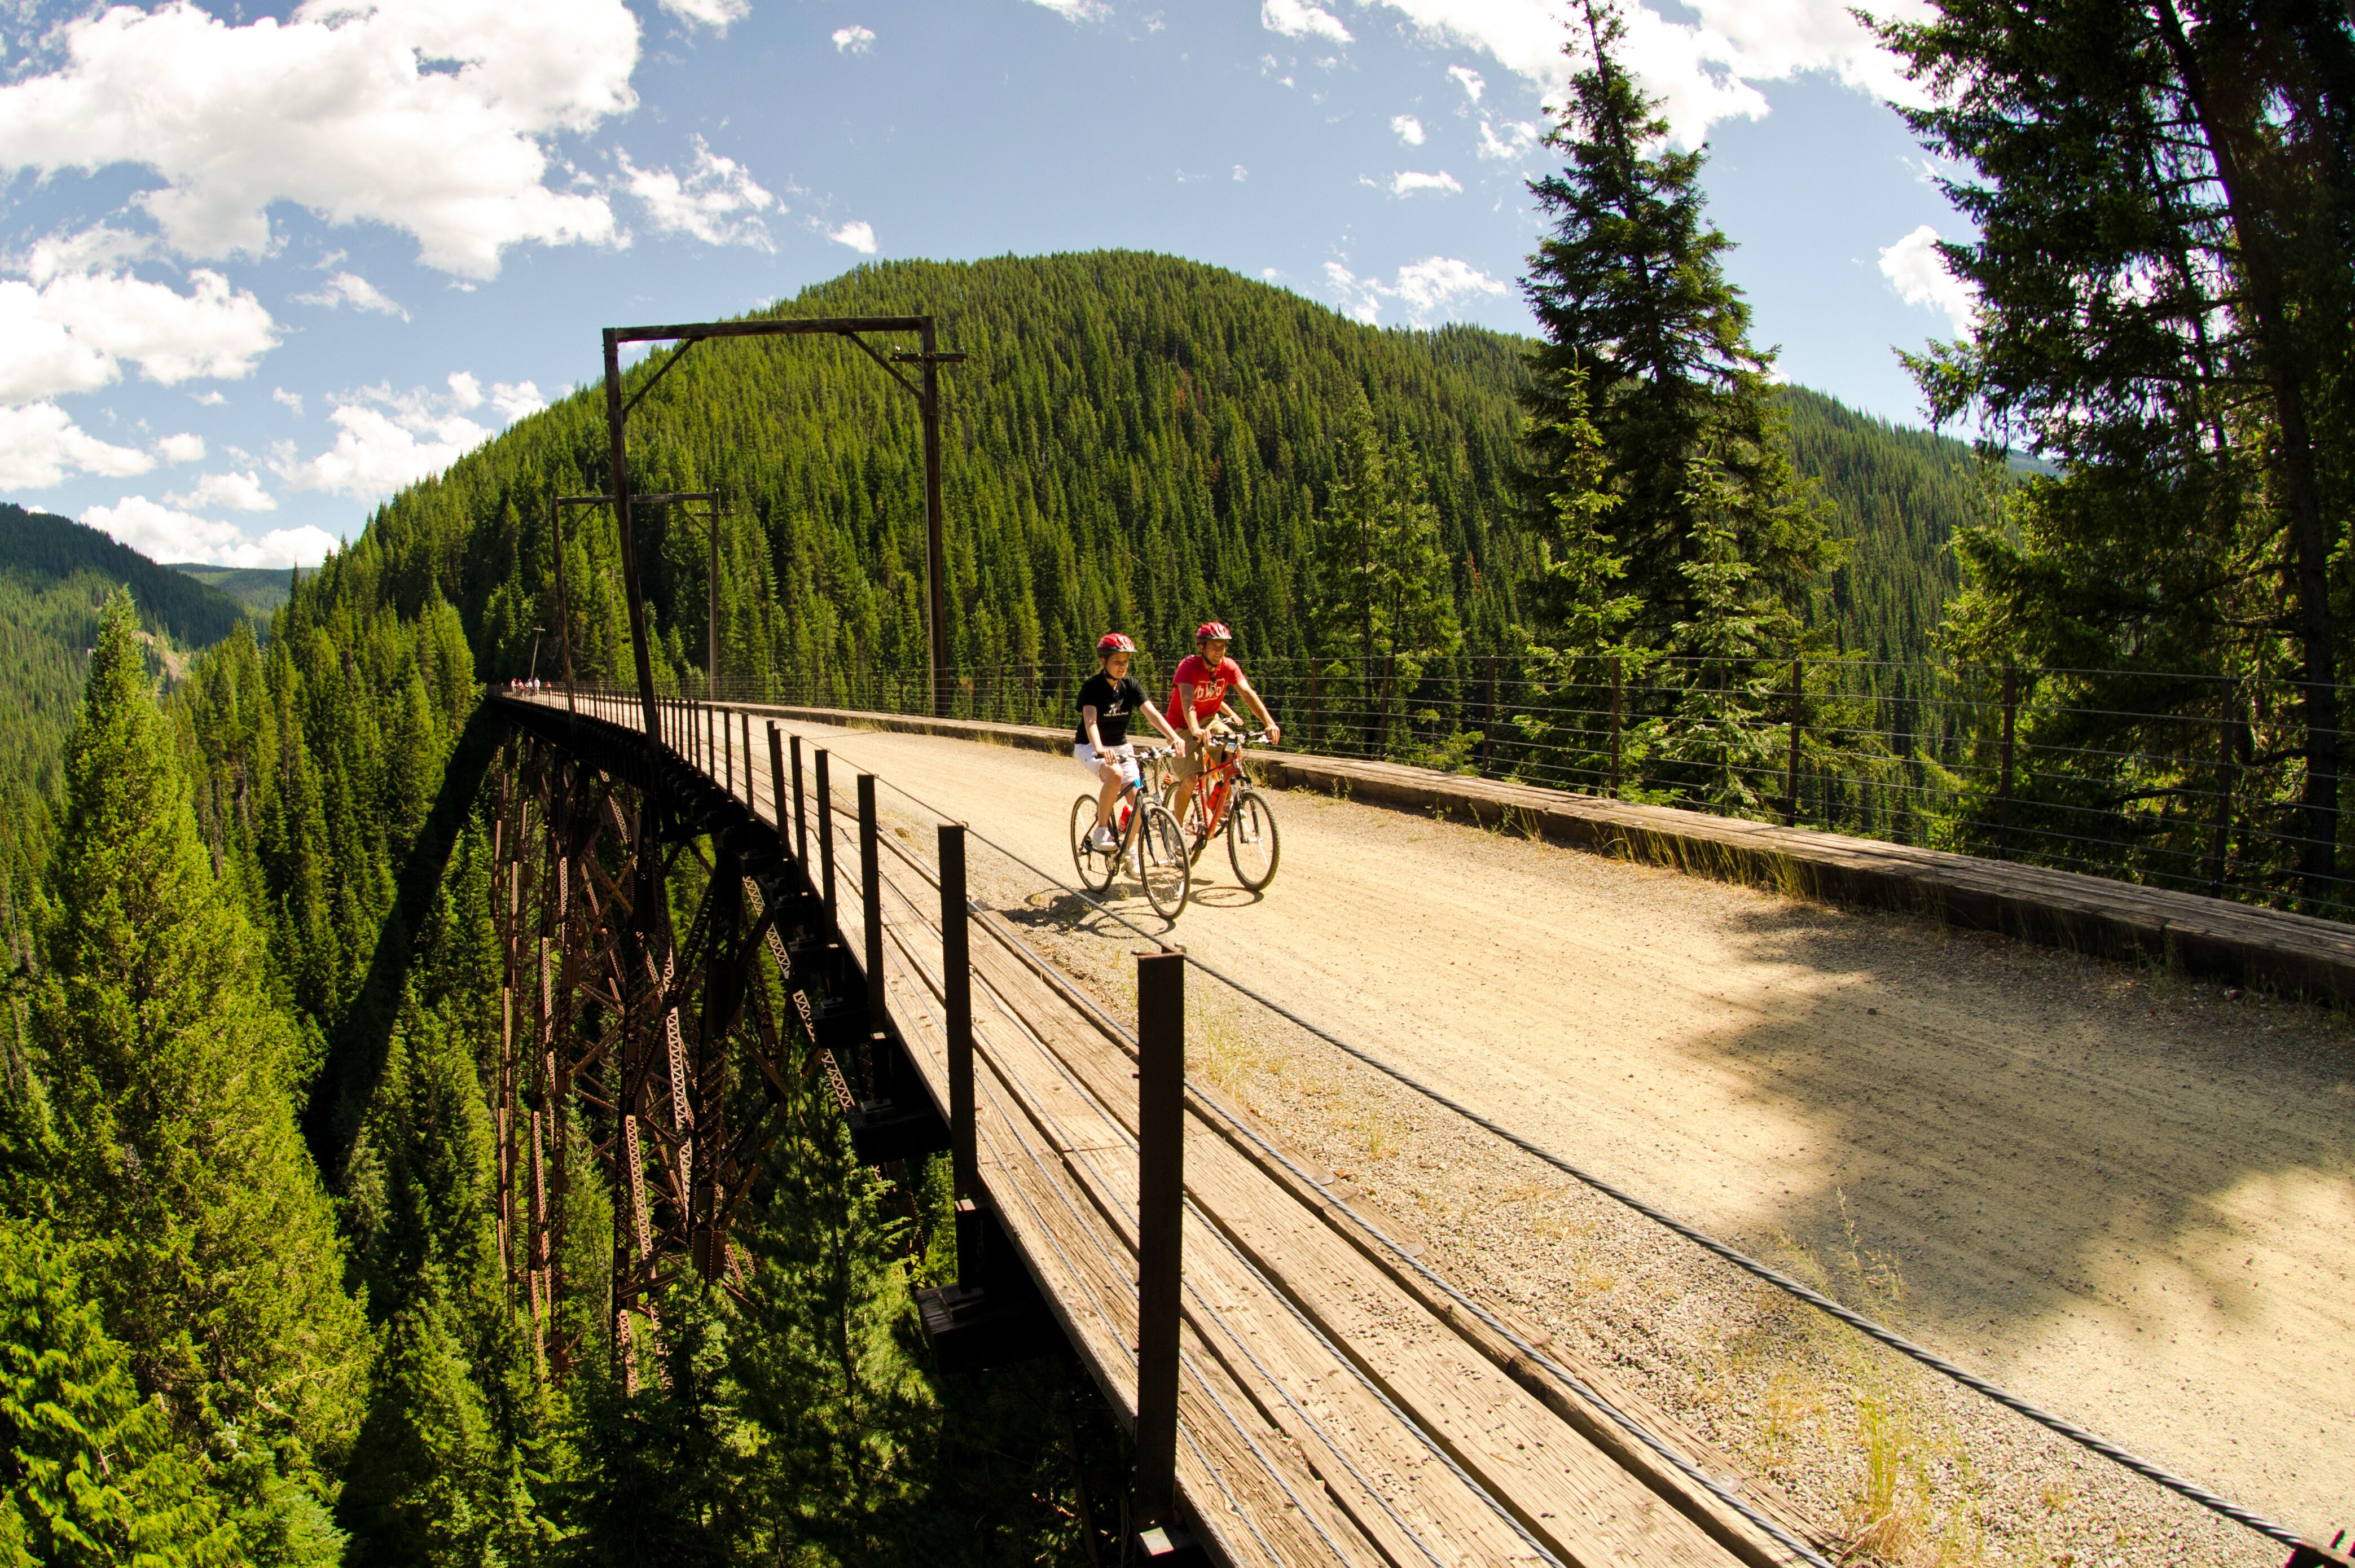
(1273,734)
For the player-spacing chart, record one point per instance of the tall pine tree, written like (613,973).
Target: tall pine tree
(207,1239)
(2166,286)
(1645,339)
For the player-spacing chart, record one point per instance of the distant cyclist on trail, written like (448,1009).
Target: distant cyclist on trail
(1102,745)
(1197,693)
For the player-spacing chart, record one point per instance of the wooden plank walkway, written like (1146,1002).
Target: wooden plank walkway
(1335,1404)
(2291,955)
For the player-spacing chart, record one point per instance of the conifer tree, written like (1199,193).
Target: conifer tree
(207,1240)
(1381,577)
(2166,311)
(1645,339)
(90,1474)
(1719,745)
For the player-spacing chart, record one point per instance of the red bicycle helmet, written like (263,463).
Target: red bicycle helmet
(1213,631)
(1114,642)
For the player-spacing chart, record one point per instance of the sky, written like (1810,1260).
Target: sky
(262,266)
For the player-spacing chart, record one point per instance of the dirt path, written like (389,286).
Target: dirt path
(2122,1194)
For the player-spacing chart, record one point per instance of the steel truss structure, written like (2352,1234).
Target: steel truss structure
(656,1054)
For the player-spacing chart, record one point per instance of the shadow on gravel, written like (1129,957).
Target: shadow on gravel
(2029,1136)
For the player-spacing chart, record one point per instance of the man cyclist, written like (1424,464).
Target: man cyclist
(1197,692)
(1101,744)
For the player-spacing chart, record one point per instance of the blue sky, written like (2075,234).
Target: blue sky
(261,267)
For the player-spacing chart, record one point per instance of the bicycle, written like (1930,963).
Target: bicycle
(1147,836)
(1224,797)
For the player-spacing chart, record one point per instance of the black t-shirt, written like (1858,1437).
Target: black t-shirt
(1112,703)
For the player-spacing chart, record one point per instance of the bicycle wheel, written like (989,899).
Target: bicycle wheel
(1162,863)
(1094,866)
(1251,843)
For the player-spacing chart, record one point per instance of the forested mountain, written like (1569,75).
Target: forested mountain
(35,547)
(259,588)
(1897,497)
(1134,441)
(54,575)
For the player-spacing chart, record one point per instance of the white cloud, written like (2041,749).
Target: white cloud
(1919,275)
(183,448)
(1407,182)
(1705,71)
(40,444)
(854,40)
(860,235)
(513,400)
(235,492)
(1076,10)
(429,116)
(67,328)
(166,533)
(1436,282)
(292,400)
(1470,81)
(713,14)
(1519,138)
(211,397)
(351,288)
(714,203)
(385,440)
(1426,288)
(1409,129)
(1299,19)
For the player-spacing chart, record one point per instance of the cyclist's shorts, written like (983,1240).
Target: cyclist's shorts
(1123,754)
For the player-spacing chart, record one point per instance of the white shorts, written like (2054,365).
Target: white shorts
(1123,754)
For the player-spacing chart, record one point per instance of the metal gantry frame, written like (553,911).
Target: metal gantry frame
(710,521)
(928,359)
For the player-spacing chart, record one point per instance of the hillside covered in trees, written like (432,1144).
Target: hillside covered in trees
(1134,441)
(54,575)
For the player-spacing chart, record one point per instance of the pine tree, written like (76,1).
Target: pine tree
(89,1472)
(1383,588)
(209,1245)
(1645,339)
(2165,292)
(1717,744)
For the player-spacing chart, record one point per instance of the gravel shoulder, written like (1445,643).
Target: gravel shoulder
(2126,1195)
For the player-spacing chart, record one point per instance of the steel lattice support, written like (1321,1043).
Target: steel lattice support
(647,1057)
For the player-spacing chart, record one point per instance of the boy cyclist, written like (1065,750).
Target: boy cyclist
(1197,692)
(1101,744)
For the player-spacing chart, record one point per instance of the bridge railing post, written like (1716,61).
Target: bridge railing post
(751,802)
(956,994)
(777,779)
(825,845)
(870,899)
(801,813)
(1161,1198)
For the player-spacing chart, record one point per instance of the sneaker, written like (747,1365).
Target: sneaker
(1103,841)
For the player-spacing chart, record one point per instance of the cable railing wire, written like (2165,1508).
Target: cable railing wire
(1888,749)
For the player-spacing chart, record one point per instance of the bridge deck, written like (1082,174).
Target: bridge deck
(1336,1405)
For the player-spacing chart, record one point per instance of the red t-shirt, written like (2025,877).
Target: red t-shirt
(1210,685)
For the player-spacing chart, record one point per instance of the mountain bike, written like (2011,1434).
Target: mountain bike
(1147,837)
(1224,797)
